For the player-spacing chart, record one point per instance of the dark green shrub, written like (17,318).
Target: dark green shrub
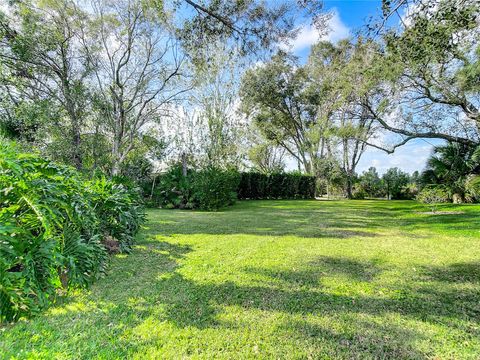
(118,208)
(170,189)
(207,189)
(359,193)
(276,186)
(213,188)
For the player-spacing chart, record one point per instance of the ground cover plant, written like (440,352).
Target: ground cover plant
(278,279)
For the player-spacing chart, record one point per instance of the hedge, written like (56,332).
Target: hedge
(255,185)
(205,189)
(211,189)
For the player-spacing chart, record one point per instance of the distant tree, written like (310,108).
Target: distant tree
(267,158)
(276,96)
(221,128)
(342,87)
(371,182)
(394,181)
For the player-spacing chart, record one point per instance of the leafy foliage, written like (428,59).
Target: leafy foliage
(206,189)
(433,195)
(52,224)
(119,210)
(213,188)
(276,186)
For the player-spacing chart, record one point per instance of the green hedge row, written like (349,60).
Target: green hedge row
(211,189)
(56,229)
(276,186)
(207,189)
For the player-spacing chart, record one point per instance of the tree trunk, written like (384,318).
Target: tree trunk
(115,158)
(184,164)
(349,187)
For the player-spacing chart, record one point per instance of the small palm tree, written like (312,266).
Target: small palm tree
(452,164)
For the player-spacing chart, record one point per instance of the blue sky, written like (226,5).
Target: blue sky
(348,17)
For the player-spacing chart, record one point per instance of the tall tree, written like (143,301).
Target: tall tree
(343,88)
(137,67)
(276,95)
(42,62)
(431,68)
(215,101)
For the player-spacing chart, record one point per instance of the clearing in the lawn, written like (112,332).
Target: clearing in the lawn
(278,279)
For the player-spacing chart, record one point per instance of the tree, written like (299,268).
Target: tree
(267,158)
(276,96)
(430,71)
(394,181)
(42,63)
(451,165)
(343,87)
(221,129)
(370,182)
(251,24)
(137,71)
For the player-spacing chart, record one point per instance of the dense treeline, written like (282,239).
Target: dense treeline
(56,229)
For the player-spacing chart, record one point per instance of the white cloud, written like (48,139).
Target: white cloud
(309,35)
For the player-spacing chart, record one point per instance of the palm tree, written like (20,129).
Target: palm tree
(451,164)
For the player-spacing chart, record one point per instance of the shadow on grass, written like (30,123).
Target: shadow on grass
(455,273)
(319,268)
(147,285)
(312,219)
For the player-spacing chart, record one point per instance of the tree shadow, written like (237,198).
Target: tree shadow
(321,267)
(466,272)
(300,223)
(149,286)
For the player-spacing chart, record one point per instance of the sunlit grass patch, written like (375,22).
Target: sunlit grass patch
(278,279)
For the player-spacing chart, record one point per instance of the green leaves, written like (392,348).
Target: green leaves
(52,226)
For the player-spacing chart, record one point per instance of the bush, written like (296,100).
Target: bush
(50,230)
(359,193)
(169,190)
(276,186)
(433,196)
(472,187)
(119,210)
(207,189)
(213,189)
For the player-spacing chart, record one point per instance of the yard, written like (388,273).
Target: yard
(278,279)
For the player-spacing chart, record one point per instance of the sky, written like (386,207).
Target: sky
(348,17)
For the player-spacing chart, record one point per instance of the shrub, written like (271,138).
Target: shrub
(472,187)
(50,230)
(213,188)
(276,186)
(359,193)
(170,189)
(207,189)
(433,195)
(118,208)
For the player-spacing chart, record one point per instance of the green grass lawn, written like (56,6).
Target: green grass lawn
(277,279)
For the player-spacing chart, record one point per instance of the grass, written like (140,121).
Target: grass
(278,279)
